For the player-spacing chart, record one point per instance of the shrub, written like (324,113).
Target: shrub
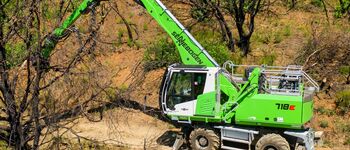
(321,110)
(287,31)
(324,124)
(160,54)
(120,36)
(15,54)
(341,9)
(201,14)
(317,3)
(264,38)
(130,43)
(324,111)
(343,101)
(268,59)
(145,26)
(215,47)
(347,141)
(345,127)
(277,38)
(345,70)
(218,51)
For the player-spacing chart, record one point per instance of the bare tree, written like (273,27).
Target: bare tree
(225,29)
(243,12)
(240,10)
(37,101)
(204,11)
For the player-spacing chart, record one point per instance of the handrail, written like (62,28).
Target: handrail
(292,71)
(312,81)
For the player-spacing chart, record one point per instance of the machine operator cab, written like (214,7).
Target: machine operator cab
(182,85)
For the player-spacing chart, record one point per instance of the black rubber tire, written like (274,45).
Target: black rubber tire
(213,140)
(273,141)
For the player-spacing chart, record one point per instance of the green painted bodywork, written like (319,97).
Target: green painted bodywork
(249,107)
(307,112)
(261,110)
(205,104)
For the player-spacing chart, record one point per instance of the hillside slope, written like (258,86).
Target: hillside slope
(283,37)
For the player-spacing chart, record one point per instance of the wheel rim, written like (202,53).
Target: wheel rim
(202,141)
(270,148)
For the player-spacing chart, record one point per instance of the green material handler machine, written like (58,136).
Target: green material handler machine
(264,108)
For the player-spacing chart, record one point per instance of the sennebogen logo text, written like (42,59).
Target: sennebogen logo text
(181,41)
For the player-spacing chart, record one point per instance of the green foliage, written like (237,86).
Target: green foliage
(131,14)
(218,51)
(324,124)
(215,47)
(130,43)
(342,8)
(347,141)
(317,3)
(277,38)
(343,101)
(264,38)
(120,37)
(201,14)
(268,59)
(75,4)
(324,111)
(49,12)
(287,31)
(123,88)
(344,70)
(160,54)
(111,93)
(145,26)
(15,54)
(137,44)
(237,58)
(3,145)
(344,127)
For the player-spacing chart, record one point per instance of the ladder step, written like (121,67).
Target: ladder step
(230,148)
(235,140)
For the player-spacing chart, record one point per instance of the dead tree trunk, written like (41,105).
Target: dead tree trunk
(239,12)
(225,29)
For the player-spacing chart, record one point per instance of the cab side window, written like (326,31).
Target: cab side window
(199,83)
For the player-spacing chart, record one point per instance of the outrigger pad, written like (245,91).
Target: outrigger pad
(179,141)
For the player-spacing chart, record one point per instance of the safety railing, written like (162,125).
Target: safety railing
(287,80)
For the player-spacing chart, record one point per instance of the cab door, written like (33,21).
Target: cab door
(182,92)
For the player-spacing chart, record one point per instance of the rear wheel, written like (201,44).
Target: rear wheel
(204,139)
(272,142)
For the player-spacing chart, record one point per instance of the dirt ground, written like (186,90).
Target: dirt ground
(125,129)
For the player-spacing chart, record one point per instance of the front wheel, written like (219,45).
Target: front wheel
(272,142)
(204,139)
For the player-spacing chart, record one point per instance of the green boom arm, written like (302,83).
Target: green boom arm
(191,52)
(60,32)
